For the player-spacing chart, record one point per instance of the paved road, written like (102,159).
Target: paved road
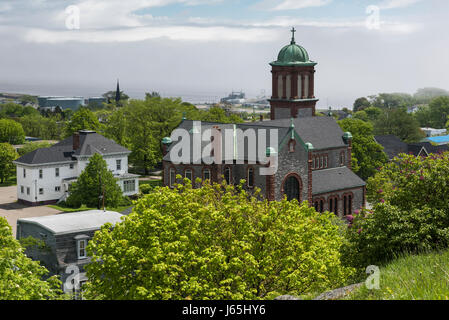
(11,210)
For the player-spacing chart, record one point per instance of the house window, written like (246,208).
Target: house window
(206,174)
(41,191)
(189,174)
(347,204)
(57,189)
(24,172)
(72,166)
(28,191)
(57,172)
(22,189)
(250,177)
(82,249)
(129,186)
(41,173)
(119,165)
(333,205)
(342,158)
(228,175)
(172,177)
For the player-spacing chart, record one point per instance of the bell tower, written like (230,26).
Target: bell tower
(293,83)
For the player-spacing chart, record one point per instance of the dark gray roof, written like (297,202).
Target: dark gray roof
(393,146)
(90,143)
(329,180)
(415,148)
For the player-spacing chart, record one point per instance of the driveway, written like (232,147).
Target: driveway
(11,210)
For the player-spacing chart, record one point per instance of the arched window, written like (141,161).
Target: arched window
(333,204)
(280,86)
(291,187)
(342,158)
(250,181)
(347,204)
(321,205)
(172,177)
(289,87)
(306,86)
(299,86)
(228,175)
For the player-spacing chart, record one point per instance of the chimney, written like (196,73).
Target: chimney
(76,141)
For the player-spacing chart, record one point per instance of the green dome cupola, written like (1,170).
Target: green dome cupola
(293,55)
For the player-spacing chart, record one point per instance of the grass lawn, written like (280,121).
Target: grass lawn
(152,183)
(418,277)
(84,208)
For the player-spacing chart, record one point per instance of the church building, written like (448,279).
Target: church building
(313,153)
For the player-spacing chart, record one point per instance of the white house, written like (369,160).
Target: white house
(44,175)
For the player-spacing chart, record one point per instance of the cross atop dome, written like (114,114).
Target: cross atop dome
(293,35)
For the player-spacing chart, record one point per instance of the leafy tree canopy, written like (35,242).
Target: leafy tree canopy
(94,182)
(215,242)
(367,154)
(11,132)
(399,123)
(83,119)
(411,211)
(7,155)
(21,277)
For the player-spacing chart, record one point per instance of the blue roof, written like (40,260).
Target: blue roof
(441,139)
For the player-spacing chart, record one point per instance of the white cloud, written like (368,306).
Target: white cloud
(179,33)
(394,4)
(300,4)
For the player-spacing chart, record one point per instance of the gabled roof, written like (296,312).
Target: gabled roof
(393,146)
(90,143)
(334,179)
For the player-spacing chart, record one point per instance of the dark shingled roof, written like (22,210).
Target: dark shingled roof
(90,143)
(393,146)
(329,180)
(415,148)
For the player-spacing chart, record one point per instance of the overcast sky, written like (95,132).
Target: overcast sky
(202,49)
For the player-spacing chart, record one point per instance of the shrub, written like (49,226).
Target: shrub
(410,215)
(215,242)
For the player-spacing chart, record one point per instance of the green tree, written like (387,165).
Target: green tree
(21,277)
(361,104)
(393,100)
(83,119)
(366,153)
(425,95)
(215,242)
(45,128)
(94,182)
(11,132)
(399,123)
(13,110)
(411,210)
(424,116)
(7,155)
(439,112)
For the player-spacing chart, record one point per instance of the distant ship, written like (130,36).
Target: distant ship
(234,98)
